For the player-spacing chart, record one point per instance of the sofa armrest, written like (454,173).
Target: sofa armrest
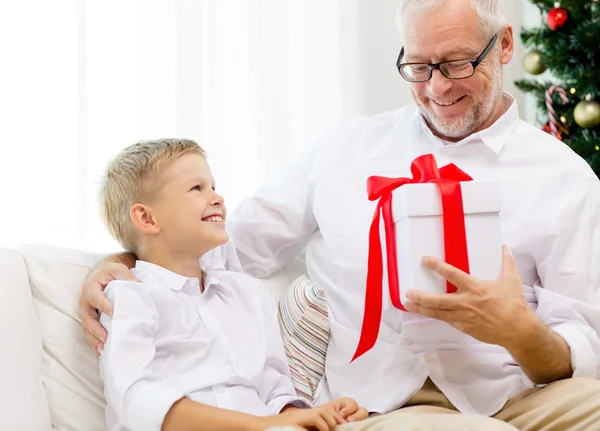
(23,403)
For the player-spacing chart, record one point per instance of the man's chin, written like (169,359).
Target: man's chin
(450,131)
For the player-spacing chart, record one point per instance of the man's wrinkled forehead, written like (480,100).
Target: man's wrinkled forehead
(440,35)
(450,48)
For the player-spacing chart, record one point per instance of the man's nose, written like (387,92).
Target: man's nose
(439,84)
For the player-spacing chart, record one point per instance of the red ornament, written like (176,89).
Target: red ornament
(557,17)
(546,128)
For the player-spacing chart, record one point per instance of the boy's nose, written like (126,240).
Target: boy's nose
(218,200)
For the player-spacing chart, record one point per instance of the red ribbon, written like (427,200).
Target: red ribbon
(424,170)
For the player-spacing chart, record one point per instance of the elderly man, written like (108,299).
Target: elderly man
(521,351)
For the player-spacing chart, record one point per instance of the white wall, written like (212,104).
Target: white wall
(252,80)
(531,18)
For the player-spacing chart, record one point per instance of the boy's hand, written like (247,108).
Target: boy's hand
(92,299)
(348,409)
(321,418)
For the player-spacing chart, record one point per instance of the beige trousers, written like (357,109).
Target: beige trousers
(566,405)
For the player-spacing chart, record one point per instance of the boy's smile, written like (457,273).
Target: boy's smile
(189,214)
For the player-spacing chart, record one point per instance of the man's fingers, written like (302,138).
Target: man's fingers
(96,351)
(121,272)
(430,300)
(509,266)
(95,333)
(86,310)
(98,301)
(93,299)
(460,279)
(97,282)
(92,340)
(93,327)
(434,313)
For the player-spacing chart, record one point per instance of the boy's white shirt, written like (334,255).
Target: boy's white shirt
(167,340)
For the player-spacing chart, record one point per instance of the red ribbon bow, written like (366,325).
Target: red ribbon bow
(424,169)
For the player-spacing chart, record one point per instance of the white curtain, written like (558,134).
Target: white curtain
(251,80)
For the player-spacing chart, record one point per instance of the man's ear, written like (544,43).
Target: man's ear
(144,219)
(508,44)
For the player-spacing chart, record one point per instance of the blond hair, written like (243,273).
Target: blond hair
(131,177)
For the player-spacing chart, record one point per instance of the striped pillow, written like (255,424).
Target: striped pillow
(305,331)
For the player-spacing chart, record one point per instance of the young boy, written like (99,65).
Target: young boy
(188,350)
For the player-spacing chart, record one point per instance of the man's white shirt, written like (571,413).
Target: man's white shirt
(167,340)
(550,221)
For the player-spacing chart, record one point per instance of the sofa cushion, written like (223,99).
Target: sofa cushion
(303,317)
(23,404)
(70,368)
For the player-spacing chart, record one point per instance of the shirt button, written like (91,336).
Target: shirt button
(407,341)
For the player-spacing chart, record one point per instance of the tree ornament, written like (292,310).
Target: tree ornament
(562,131)
(533,64)
(551,111)
(546,128)
(557,17)
(587,113)
(594,7)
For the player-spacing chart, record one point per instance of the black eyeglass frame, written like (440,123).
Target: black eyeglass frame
(435,66)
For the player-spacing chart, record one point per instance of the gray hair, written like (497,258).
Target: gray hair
(491,17)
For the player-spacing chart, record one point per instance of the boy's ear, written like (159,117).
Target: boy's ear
(143,218)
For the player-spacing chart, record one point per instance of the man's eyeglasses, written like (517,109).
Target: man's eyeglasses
(453,69)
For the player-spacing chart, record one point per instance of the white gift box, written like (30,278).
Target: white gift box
(417,215)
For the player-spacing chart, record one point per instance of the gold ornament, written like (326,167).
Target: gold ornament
(533,64)
(587,113)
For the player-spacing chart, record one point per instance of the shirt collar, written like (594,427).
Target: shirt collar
(494,137)
(169,278)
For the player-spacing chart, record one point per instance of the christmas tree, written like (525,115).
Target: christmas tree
(567,44)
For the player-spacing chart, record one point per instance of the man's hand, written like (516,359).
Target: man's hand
(491,311)
(496,312)
(92,299)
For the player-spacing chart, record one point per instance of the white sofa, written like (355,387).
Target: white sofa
(49,376)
